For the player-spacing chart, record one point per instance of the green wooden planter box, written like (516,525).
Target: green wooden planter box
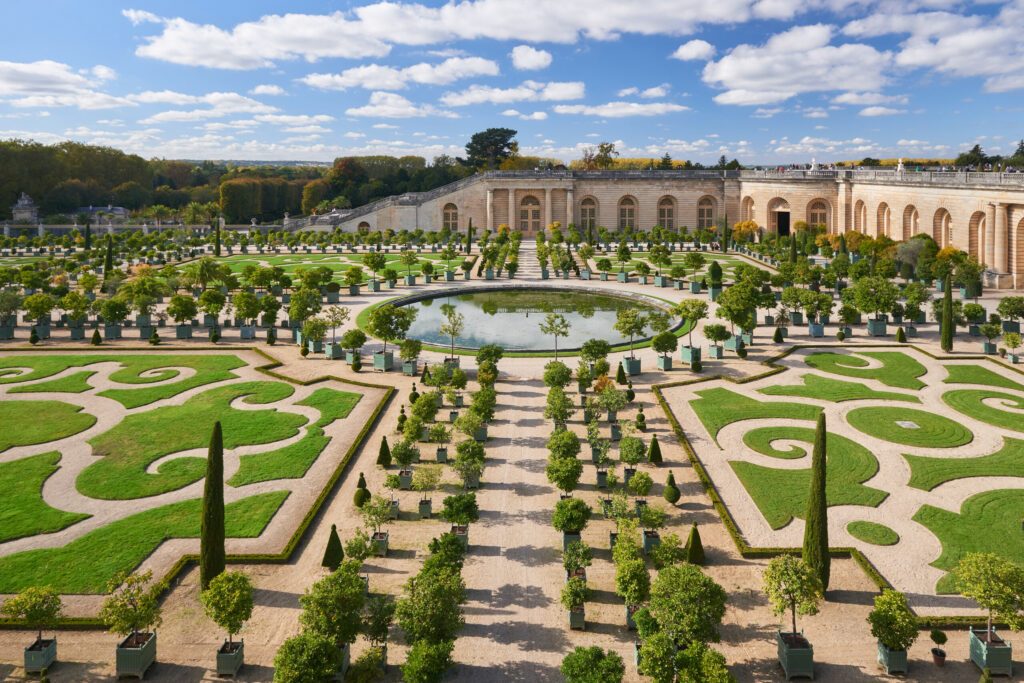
(442,454)
(480,434)
(578,619)
(631,366)
(714,292)
(689,354)
(664,362)
(652,539)
(135,661)
(893,661)
(795,661)
(405,480)
(40,655)
(567,538)
(715,351)
(876,328)
(997,657)
(383,361)
(229,662)
(461,534)
(410,279)
(734,343)
(425,508)
(379,544)
(622,276)
(410,368)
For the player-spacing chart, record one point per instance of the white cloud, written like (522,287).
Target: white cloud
(381,77)
(535,116)
(656,92)
(389,105)
(354,135)
(799,60)
(766,112)
(267,89)
(294,119)
(385,126)
(881,111)
(614,110)
(628,92)
(370,30)
(526,58)
(866,98)
(221,104)
(815,113)
(694,50)
(307,129)
(528,91)
(46,83)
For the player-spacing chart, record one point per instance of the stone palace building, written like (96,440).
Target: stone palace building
(981,213)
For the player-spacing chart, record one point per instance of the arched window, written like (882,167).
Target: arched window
(942,228)
(627,213)
(748,209)
(817,213)
(450,217)
(529,214)
(588,214)
(667,213)
(911,222)
(363,227)
(705,213)
(883,219)
(976,235)
(860,216)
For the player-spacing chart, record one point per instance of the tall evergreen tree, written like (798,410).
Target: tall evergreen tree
(946,325)
(211,539)
(216,237)
(469,235)
(384,454)
(792,248)
(654,452)
(334,553)
(694,547)
(815,550)
(88,235)
(108,261)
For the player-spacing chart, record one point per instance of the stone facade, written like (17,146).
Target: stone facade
(981,213)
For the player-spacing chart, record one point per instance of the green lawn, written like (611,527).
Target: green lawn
(927,473)
(87,564)
(22,510)
(762,441)
(932,431)
(970,403)
(781,495)
(828,389)
(292,462)
(719,407)
(162,367)
(988,522)
(976,374)
(72,384)
(128,448)
(898,369)
(873,533)
(25,423)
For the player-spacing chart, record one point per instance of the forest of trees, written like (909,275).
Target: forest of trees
(68,175)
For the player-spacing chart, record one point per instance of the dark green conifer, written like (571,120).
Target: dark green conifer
(211,538)
(815,549)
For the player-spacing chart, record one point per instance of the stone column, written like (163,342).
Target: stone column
(40,230)
(512,223)
(999,263)
(547,207)
(570,208)
(490,210)
(990,237)
(7,231)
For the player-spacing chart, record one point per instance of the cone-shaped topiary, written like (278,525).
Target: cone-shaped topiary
(901,336)
(214,335)
(777,337)
(154,338)
(946,326)
(271,336)
(620,375)
(815,549)
(654,451)
(384,454)
(694,548)
(361,497)
(671,492)
(33,336)
(211,538)
(425,375)
(334,553)
(361,484)
(641,420)
(96,340)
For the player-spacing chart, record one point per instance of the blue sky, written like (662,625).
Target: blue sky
(762,80)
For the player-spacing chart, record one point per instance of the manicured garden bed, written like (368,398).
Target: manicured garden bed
(909,427)
(897,369)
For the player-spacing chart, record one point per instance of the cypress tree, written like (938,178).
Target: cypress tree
(842,244)
(334,553)
(946,326)
(211,539)
(815,550)
(108,260)
(216,238)
(671,492)
(88,236)
(469,236)
(654,452)
(271,336)
(620,375)
(384,454)
(694,548)
(792,248)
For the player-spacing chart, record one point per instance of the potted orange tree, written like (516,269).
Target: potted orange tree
(228,602)
(793,587)
(895,627)
(39,608)
(130,611)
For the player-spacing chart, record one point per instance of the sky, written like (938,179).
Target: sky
(764,81)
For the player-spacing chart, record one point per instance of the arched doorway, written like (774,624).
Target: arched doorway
(450,217)
(706,213)
(588,217)
(860,216)
(627,213)
(817,213)
(976,235)
(667,213)
(747,209)
(1016,252)
(942,228)
(778,216)
(911,222)
(883,220)
(529,214)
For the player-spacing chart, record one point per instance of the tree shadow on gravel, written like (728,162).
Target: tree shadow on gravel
(505,672)
(272,598)
(521,488)
(527,597)
(527,635)
(532,556)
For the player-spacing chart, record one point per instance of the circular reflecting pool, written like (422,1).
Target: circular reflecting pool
(511,317)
